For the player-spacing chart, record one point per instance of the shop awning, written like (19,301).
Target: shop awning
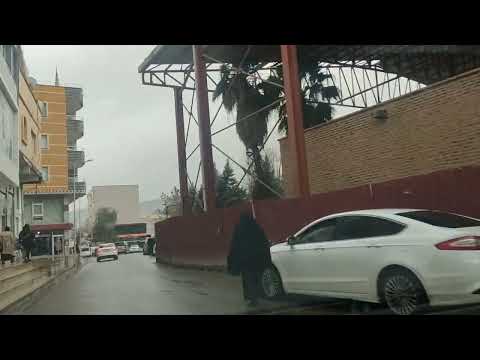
(51,227)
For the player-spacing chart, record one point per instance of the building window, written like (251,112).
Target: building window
(44,108)
(4,131)
(24,130)
(17,193)
(34,141)
(44,142)
(45,173)
(37,211)
(10,150)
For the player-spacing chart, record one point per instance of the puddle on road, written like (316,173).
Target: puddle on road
(187,282)
(200,292)
(166,291)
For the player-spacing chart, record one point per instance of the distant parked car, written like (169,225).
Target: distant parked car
(107,251)
(85,251)
(406,259)
(133,248)
(122,247)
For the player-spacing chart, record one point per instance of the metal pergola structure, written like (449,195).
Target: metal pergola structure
(365,75)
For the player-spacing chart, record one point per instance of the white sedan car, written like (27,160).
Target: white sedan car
(107,251)
(404,258)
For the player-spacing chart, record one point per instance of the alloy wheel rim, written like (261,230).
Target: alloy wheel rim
(401,295)
(270,283)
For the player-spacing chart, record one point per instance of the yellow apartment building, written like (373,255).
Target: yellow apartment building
(46,203)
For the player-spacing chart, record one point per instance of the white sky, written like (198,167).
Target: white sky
(129,127)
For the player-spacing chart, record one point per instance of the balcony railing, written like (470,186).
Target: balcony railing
(80,187)
(75,128)
(74,99)
(76,158)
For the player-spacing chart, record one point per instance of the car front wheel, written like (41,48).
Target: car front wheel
(403,293)
(272,283)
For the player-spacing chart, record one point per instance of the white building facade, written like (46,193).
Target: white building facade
(9,152)
(123,198)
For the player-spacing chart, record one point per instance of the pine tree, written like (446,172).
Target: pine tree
(266,173)
(228,190)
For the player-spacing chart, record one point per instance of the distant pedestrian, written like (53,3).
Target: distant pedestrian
(58,246)
(249,256)
(7,245)
(27,239)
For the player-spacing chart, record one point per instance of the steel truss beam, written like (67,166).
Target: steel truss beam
(361,84)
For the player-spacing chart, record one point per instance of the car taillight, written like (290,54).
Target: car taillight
(461,243)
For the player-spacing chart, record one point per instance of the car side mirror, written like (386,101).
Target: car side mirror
(291,240)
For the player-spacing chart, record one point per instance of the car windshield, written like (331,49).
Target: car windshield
(441,219)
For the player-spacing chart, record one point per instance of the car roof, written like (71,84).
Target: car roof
(386,211)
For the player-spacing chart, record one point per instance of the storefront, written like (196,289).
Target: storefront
(46,234)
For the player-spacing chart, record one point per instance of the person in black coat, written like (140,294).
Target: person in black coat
(27,239)
(249,256)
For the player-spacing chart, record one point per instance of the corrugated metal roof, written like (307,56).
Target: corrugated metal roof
(400,59)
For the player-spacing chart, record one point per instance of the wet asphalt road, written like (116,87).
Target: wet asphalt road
(136,285)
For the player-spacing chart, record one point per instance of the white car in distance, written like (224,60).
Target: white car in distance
(85,251)
(107,251)
(404,258)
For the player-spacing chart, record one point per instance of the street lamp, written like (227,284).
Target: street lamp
(75,176)
(79,207)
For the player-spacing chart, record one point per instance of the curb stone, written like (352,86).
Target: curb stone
(210,268)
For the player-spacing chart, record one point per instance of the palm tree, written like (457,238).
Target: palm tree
(315,93)
(249,97)
(237,92)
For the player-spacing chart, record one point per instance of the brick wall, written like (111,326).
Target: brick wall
(429,130)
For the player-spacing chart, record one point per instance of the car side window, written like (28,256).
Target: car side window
(323,231)
(358,227)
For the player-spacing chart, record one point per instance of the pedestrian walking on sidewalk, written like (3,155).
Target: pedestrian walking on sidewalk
(27,239)
(249,256)
(7,245)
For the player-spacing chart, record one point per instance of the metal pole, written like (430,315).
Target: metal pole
(79,222)
(53,252)
(208,173)
(74,208)
(181,152)
(296,136)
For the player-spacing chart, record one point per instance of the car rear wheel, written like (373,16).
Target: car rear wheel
(272,283)
(402,292)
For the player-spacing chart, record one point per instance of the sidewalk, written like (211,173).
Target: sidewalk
(19,281)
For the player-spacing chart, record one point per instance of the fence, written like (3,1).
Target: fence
(204,240)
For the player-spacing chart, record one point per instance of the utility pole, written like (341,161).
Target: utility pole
(74,208)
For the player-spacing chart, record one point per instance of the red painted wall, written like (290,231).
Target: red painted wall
(204,240)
